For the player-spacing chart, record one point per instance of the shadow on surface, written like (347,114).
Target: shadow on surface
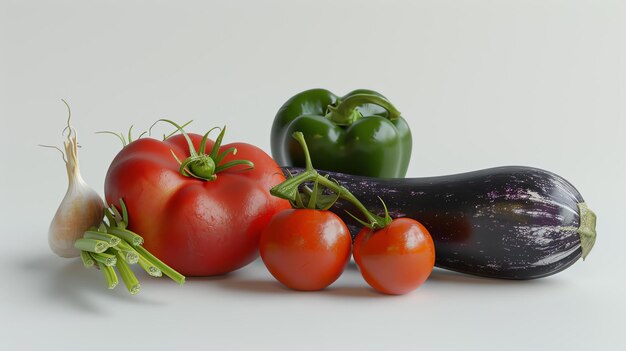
(68,283)
(246,283)
(442,276)
(349,287)
(255,286)
(351,266)
(351,292)
(273,287)
(71,284)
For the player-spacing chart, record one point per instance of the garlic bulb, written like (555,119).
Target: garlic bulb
(81,208)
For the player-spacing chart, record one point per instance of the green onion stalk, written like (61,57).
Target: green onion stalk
(112,245)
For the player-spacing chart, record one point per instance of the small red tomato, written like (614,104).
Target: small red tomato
(305,249)
(396,259)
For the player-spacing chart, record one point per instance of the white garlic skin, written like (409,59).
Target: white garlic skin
(81,208)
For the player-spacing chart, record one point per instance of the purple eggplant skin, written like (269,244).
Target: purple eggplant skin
(509,222)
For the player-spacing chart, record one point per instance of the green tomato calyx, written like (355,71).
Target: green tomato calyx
(201,165)
(317,199)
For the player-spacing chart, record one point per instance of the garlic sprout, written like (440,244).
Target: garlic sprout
(80,209)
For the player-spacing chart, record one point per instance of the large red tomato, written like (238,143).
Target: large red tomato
(198,227)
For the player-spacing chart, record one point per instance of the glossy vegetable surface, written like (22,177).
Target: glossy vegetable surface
(507,222)
(396,259)
(359,133)
(306,249)
(199,227)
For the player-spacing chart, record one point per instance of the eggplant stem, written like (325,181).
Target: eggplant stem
(587,228)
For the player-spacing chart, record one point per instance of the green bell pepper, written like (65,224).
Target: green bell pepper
(361,133)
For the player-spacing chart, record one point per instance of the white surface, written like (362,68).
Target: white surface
(483,83)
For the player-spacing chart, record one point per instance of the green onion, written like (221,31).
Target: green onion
(111,246)
(112,240)
(109,276)
(105,258)
(124,245)
(127,235)
(102,228)
(87,260)
(149,267)
(167,270)
(132,284)
(119,219)
(123,204)
(91,245)
(109,216)
(131,256)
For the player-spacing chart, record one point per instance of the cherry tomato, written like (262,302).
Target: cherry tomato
(305,249)
(396,259)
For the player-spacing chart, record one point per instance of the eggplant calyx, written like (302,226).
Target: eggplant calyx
(587,228)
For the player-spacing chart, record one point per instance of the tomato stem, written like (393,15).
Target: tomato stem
(165,137)
(200,164)
(289,188)
(124,139)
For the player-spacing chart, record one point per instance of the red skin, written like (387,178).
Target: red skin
(198,227)
(306,249)
(396,259)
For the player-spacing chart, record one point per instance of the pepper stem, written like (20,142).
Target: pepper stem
(289,188)
(346,112)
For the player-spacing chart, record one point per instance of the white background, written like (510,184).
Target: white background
(482,83)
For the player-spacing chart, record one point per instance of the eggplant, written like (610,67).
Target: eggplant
(509,222)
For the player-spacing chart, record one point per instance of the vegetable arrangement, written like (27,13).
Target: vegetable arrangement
(394,256)
(192,205)
(506,222)
(83,227)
